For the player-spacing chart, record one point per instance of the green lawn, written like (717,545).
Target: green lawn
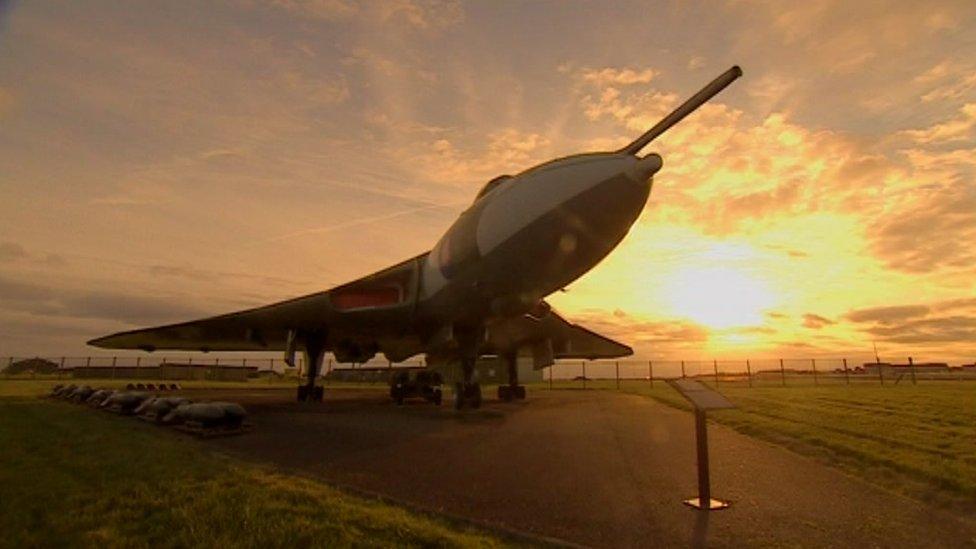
(26,387)
(71,476)
(918,439)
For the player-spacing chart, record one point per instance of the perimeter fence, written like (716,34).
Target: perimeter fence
(182,367)
(563,374)
(749,373)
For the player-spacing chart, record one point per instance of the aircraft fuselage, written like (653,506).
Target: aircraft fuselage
(533,234)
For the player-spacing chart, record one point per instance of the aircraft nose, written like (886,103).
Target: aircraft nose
(604,214)
(646,167)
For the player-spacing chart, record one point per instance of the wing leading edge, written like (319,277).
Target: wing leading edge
(369,304)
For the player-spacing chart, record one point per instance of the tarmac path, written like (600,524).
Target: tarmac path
(596,468)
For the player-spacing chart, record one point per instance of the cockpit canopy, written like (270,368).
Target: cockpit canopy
(490,186)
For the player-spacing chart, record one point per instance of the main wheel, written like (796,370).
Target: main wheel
(504,393)
(474,395)
(458,396)
(318,393)
(438,396)
(520,392)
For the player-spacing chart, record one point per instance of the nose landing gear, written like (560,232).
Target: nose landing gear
(468,391)
(314,352)
(467,394)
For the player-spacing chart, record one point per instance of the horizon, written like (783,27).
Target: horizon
(163,163)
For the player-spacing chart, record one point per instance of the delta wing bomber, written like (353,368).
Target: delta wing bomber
(480,290)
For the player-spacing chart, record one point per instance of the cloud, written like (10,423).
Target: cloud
(726,173)
(328,10)
(816,322)
(948,80)
(26,297)
(316,90)
(506,150)
(419,14)
(696,63)
(951,130)
(658,336)
(933,231)
(610,76)
(842,37)
(941,323)
(214,276)
(887,315)
(135,193)
(965,303)
(7,101)
(928,331)
(422,14)
(10,251)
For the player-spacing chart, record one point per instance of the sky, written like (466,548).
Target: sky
(162,161)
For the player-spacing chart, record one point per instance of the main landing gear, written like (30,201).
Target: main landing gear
(314,353)
(512,391)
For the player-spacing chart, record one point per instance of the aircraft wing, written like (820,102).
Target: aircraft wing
(568,340)
(365,312)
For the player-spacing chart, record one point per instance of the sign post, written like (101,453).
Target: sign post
(703,399)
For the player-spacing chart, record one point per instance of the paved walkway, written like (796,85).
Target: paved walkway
(592,467)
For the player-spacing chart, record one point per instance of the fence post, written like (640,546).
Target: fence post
(682,369)
(584,374)
(551,366)
(847,373)
(616,365)
(61,368)
(715,367)
(880,373)
(782,372)
(650,372)
(813,362)
(749,372)
(113,367)
(911,363)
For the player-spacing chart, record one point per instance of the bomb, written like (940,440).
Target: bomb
(124,402)
(208,414)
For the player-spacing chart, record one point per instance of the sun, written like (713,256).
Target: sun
(717,297)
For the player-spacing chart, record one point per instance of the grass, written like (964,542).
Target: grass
(28,387)
(70,476)
(917,439)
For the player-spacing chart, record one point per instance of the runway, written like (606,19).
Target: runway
(596,468)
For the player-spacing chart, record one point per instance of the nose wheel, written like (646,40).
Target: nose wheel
(508,393)
(467,394)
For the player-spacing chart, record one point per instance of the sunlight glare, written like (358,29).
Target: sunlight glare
(717,297)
